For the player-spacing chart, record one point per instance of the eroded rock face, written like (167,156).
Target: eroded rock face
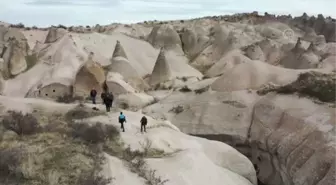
(119,51)
(193,43)
(313,84)
(54,34)
(299,58)
(164,36)
(290,140)
(161,71)
(14,58)
(13,49)
(90,76)
(293,144)
(254,52)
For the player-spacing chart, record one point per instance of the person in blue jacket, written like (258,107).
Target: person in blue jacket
(122,120)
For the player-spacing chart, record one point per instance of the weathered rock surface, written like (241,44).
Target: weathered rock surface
(54,34)
(290,143)
(314,84)
(161,71)
(164,36)
(90,76)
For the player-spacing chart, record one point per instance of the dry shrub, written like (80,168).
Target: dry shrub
(97,133)
(79,112)
(56,126)
(124,105)
(129,154)
(10,161)
(177,110)
(22,124)
(92,178)
(153,179)
(138,165)
(202,90)
(185,89)
(67,98)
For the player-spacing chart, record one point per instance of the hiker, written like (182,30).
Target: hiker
(93,95)
(143,122)
(102,96)
(122,120)
(108,100)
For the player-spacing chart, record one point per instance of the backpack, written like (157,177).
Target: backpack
(109,96)
(122,118)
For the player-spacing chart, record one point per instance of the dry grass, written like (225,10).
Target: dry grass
(185,89)
(67,98)
(177,110)
(82,112)
(64,153)
(22,124)
(97,133)
(137,164)
(52,155)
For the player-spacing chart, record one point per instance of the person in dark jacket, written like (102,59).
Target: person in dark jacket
(93,95)
(102,96)
(108,100)
(143,122)
(122,120)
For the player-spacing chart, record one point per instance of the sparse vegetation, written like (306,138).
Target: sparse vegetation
(22,124)
(81,112)
(68,98)
(19,25)
(124,105)
(63,152)
(49,156)
(62,26)
(313,84)
(177,110)
(137,164)
(10,161)
(202,90)
(96,133)
(185,89)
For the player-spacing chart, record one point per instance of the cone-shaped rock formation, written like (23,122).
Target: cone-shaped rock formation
(161,71)
(54,34)
(293,59)
(119,51)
